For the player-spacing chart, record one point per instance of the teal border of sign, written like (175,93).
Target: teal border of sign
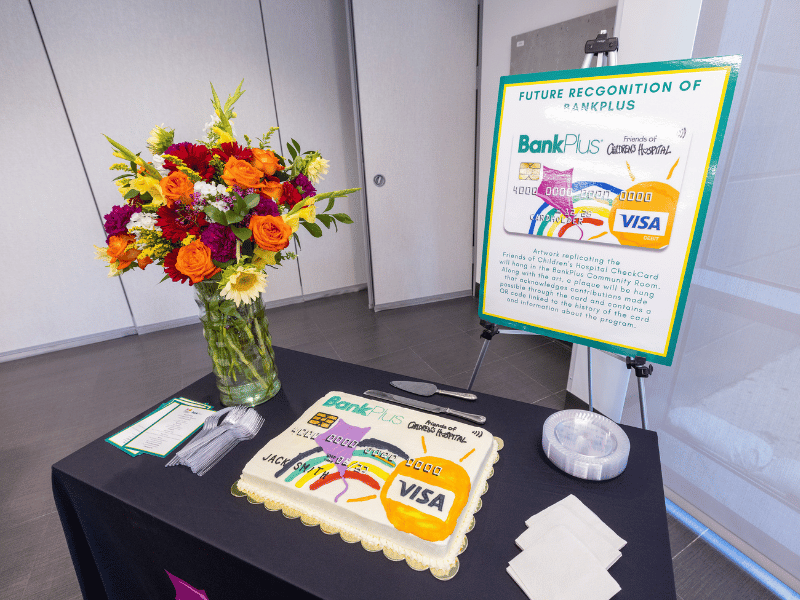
(654,68)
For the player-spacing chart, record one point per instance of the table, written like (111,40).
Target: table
(128,520)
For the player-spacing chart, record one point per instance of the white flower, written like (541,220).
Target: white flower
(208,190)
(158,163)
(220,205)
(142,221)
(316,168)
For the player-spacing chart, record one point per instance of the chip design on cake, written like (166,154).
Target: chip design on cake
(391,477)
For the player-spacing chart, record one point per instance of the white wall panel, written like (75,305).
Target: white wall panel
(311,79)
(53,289)
(124,67)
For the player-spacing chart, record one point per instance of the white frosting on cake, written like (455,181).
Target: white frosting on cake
(403,468)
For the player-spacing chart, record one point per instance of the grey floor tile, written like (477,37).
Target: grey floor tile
(548,364)
(53,576)
(556,401)
(702,573)
(503,379)
(680,536)
(404,362)
(357,344)
(19,546)
(454,354)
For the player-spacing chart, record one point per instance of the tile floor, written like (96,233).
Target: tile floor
(45,401)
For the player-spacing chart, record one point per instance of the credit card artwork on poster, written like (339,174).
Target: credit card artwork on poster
(598,192)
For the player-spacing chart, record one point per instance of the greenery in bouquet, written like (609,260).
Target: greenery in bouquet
(217,214)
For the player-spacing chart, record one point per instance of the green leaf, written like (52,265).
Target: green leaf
(325,220)
(343,218)
(234,217)
(243,233)
(296,145)
(240,206)
(164,278)
(215,215)
(331,202)
(291,150)
(312,228)
(297,240)
(252,200)
(220,265)
(131,194)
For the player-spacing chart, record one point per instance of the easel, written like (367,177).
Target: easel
(605,50)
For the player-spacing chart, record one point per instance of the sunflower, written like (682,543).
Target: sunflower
(244,284)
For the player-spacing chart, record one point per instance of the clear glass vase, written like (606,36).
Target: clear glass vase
(240,347)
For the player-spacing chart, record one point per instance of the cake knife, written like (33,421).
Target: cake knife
(433,408)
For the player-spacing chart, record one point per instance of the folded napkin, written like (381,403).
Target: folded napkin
(584,514)
(558,566)
(559,515)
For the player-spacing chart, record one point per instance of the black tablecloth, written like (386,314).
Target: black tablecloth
(128,520)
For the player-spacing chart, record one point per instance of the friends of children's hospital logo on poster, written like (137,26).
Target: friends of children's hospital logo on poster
(598,192)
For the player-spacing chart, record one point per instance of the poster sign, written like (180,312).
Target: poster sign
(598,192)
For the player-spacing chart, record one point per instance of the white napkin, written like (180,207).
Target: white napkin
(559,567)
(584,514)
(560,515)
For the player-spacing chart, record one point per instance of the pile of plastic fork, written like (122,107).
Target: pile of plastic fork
(217,438)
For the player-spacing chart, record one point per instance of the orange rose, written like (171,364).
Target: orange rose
(270,233)
(242,173)
(273,189)
(176,186)
(118,250)
(194,261)
(265,161)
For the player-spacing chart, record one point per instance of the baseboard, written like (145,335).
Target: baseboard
(750,560)
(66,344)
(426,300)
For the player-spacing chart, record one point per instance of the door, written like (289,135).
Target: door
(416,67)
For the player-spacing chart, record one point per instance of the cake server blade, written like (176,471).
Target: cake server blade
(428,389)
(433,408)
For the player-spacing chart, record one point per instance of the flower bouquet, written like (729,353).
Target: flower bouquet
(216,215)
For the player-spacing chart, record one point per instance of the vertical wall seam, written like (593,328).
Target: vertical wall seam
(77,147)
(278,125)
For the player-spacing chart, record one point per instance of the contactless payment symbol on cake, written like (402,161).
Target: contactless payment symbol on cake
(323,420)
(425,496)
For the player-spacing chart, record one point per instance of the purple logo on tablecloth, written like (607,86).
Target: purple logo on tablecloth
(339,443)
(184,591)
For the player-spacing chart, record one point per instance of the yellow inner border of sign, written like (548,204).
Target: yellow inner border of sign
(687,253)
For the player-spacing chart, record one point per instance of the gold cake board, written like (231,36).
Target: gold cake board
(293,513)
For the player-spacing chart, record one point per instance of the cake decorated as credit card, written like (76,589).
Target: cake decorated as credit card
(393,478)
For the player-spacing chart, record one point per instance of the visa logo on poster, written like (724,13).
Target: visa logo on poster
(559,146)
(640,221)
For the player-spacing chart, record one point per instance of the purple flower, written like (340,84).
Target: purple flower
(117,220)
(266,207)
(221,241)
(303,185)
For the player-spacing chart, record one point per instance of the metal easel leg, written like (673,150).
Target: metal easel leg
(489,331)
(589,362)
(643,371)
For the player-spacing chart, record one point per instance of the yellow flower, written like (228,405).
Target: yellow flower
(316,168)
(188,240)
(244,285)
(146,184)
(308,212)
(224,136)
(293,221)
(262,258)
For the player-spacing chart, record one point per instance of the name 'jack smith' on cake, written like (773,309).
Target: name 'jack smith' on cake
(393,478)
